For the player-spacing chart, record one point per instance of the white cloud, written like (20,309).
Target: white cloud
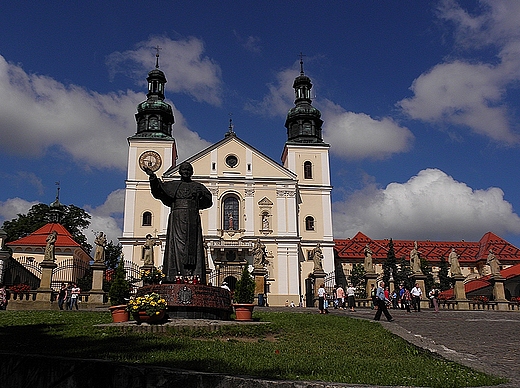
(358,136)
(42,112)
(187,69)
(10,208)
(474,95)
(107,217)
(354,135)
(431,205)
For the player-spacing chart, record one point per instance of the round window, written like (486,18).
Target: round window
(231,161)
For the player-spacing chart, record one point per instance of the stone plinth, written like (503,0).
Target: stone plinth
(193,301)
(97,294)
(44,292)
(319,277)
(459,291)
(499,292)
(420,278)
(371,279)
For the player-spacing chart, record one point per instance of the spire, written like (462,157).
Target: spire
(303,121)
(56,208)
(231,127)
(154,116)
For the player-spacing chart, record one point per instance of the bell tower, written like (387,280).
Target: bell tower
(307,155)
(152,146)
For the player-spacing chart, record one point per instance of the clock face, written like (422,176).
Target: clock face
(151,160)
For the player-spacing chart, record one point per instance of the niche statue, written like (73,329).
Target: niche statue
(184,252)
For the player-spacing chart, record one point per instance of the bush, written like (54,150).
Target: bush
(120,288)
(245,288)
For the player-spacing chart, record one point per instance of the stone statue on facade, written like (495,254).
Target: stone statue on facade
(368,264)
(49,254)
(259,255)
(148,255)
(101,243)
(494,263)
(415,259)
(453,259)
(184,251)
(317,258)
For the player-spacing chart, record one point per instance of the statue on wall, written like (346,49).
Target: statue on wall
(184,251)
(317,258)
(368,264)
(453,259)
(265,222)
(415,259)
(259,255)
(101,243)
(49,254)
(494,263)
(148,256)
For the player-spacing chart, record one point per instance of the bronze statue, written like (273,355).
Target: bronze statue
(184,252)
(49,254)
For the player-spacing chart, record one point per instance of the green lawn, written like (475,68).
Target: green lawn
(295,346)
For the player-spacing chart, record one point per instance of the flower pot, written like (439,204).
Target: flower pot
(244,311)
(141,316)
(119,313)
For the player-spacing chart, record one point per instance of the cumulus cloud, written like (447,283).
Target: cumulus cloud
(183,61)
(41,112)
(107,218)
(354,135)
(10,208)
(473,95)
(431,205)
(357,135)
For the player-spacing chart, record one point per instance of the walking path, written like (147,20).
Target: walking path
(488,341)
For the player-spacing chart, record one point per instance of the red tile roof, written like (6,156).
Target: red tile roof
(470,251)
(38,238)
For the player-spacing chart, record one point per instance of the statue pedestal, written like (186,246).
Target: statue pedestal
(371,279)
(420,278)
(319,277)
(44,292)
(259,274)
(459,290)
(97,294)
(499,292)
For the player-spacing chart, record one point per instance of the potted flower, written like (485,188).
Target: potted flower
(119,294)
(244,296)
(147,308)
(152,276)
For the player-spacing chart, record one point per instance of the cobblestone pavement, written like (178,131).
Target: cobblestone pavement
(488,341)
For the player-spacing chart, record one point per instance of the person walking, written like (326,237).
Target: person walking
(321,298)
(381,303)
(434,297)
(62,294)
(74,296)
(416,297)
(68,297)
(351,297)
(340,295)
(373,297)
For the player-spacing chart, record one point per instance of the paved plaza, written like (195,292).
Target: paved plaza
(484,340)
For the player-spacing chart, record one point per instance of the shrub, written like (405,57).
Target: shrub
(245,288)
(120,288)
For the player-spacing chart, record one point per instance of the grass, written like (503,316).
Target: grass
(294,346)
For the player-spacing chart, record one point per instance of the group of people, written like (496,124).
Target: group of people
(404,298)
(344,298)
(68,296)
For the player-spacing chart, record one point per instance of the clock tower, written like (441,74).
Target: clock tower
(153,147)
(307,155)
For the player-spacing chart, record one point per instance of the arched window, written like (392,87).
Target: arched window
(309,223)
(147,219)
(230,213)
(307,170)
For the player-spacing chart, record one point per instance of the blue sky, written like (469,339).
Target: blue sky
(419,101)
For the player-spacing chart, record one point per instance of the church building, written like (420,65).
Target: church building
(284,206)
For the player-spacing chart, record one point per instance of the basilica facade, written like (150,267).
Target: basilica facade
(284,206)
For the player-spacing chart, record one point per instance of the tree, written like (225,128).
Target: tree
(404,274)
(73,218)
(444,279)
(358,280)
(112,254)
(390,264)
(120,288)
(427,270)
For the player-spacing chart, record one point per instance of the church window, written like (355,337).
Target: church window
(307,170)
(309,223)
(213,166)
(147,219)
(230,213)
(231,161)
